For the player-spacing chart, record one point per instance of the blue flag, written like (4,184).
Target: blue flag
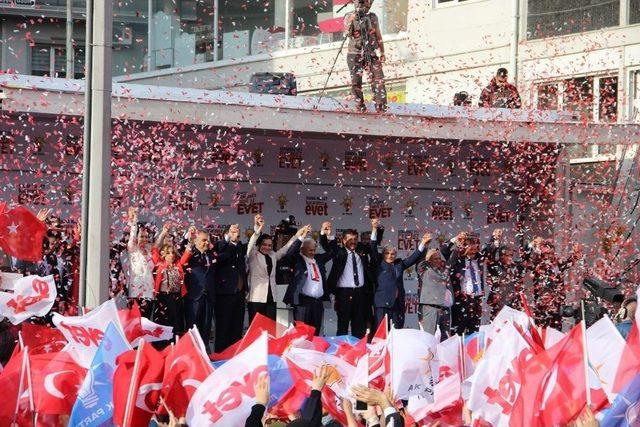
(625,410)
(94,406)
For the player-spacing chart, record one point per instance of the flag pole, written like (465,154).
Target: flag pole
(134,374)
(585,356)
(23,372)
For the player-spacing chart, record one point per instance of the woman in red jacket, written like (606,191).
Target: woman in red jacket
(169,287)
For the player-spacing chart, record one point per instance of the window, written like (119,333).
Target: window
(634,11)
(591,98)
(550,18)
(635,96)
(51,61)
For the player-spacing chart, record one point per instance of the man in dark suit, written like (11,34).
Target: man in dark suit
(231,288)
(308,287)
(199,274)
(389,296)
(351,281)
(465,261)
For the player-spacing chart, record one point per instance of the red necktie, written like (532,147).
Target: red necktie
(315,275)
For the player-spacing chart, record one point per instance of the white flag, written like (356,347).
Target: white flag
(152,331)
(84,333)
(604,349)
(494,385)
(32,296)
(412,353)
(342,373)
(225,398)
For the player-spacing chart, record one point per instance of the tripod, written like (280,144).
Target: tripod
(365,43)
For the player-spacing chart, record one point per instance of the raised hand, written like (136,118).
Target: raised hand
(303,231)
(375,223)
(497,234)
(326,228)
(261,389)
(132,214)
(426,238)
(258,222)
(320,377)
(43,214)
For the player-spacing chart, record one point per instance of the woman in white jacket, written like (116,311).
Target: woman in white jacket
(261,263)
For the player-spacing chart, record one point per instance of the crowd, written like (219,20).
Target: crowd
(182,279)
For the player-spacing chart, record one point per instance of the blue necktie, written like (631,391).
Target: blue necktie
(474,278)
(356,279)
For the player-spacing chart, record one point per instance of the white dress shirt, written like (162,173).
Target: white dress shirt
(347,278)
(467,285)
(313,285)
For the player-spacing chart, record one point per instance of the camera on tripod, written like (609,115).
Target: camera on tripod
(593,310)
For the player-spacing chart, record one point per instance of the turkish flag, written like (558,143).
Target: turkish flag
(259,324)
(630,360)
(42,339)
(21,234)
(130,319)
(185,369)
(139,373)
(56,379)
(11,385)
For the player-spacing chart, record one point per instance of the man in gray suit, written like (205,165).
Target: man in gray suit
(436,294)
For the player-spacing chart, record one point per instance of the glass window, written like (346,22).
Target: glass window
(549,18)
(608,100)
(51,60)
(634,11)
(578,97)
(548,97)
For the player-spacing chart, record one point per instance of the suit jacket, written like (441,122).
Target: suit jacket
(258,276)
(292,296)
(341,256)
(231,267)
(389,283)
(199,275)
(433,285)
(457,266)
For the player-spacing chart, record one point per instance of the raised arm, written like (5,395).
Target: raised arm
(376,236)
(330,248)
(294,249)
(162,235)
(418,253)
(133,229)
(284,251)
(258,226)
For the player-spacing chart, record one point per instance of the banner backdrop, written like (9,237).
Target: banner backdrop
(212,177)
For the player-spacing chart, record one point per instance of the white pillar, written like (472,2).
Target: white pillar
(94,275)
(69,40)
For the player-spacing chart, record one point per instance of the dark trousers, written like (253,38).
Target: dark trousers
(310,311)
(265,308)
(465,314)
(229,319)
(146,306)
(357,66)
(395,317)
(352,307)
(169,311)
(199,312)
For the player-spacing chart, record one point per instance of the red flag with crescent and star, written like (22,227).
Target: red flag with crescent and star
(55,381)
(21,233)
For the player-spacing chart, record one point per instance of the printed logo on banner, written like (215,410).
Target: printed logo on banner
(468,210)
(347,205)
(324,161)
(32,194)
(70,195)
(258,156)
(417,165)
(246,203)
(282,203)
(316,205)
(73,147)
(410,208)
(379,208)
(290,158)
(216,231)
(408,240)
(7,143)
(389,164)
(220,154)
(355,161)
(183,201)
(496,213)
(479,166)
(39,144)
(442,211)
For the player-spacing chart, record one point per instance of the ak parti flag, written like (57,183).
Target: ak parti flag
(32,296)
(225,398)
(21,234)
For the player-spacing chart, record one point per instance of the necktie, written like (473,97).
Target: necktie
(474,278)
(315,274)
(269,262)
(356,279)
